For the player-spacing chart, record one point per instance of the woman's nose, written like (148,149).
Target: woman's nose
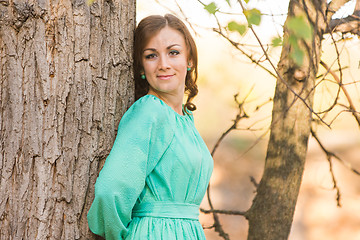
(164,63)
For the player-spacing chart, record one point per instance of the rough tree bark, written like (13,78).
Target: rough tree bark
(271,214)
(66,80)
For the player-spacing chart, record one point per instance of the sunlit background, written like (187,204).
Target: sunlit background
(224,72)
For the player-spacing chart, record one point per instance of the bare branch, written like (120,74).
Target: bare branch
(264,103)
(218,227)
(336,70)
(329,155)
(338,62)
(208,227)
(236,45)
(335,186)
(238,117)
(227,212)
(241,114)
(339,113)
(333,7)
(186,18)
(350,24)
(176,14)
(167,8)
(336,98)
(278,74)
(347,95)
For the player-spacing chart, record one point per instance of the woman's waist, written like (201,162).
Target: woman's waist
(166,209)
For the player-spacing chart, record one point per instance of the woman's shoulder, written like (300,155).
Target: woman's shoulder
(148,104)
(148,108)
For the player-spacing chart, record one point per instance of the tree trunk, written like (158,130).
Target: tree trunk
(66,79)
(271,214)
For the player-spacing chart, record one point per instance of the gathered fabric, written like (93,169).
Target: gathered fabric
(167,210)
(150,228)
(154,178)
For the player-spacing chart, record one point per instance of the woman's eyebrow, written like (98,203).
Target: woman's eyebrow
(150,49)
(171,46)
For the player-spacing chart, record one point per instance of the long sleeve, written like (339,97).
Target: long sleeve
(144,134)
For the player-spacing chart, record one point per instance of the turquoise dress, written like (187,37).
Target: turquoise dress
(154,178)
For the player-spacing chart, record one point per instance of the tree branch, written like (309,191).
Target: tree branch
(347,95)
(350,24)
(297,96)
(242,114)
(329,156)
(236,45)
(218,227)
(227,212)
(333,7)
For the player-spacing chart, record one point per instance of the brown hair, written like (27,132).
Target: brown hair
(149,27)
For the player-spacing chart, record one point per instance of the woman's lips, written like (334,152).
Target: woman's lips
(164,77)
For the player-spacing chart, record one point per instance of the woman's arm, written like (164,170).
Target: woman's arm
(144,134)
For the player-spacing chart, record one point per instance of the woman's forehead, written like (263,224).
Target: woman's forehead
(166,37)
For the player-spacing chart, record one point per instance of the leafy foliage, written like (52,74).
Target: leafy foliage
(300,27)
(299,30)
(276,41)
(253,16)
(236,27)
(211,8)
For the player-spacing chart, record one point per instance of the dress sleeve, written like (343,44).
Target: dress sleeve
(143,136)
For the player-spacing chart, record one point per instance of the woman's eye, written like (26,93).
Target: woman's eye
(174,52)
(150,56)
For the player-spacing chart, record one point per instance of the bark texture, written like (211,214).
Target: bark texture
(66,80)
(271,214)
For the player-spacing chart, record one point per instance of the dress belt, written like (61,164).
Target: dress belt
(166,210)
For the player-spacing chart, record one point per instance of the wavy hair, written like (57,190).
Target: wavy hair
(148,28)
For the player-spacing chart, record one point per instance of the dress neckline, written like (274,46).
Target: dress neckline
(185,112)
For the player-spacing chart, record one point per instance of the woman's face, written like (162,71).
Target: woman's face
(165,62)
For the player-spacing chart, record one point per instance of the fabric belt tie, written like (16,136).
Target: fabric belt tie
(166,210)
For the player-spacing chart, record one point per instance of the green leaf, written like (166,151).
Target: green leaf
(228,1)
(293,40)
(297,55)
(90,2)
(253,16)
(276,41)
(300,27)
(211,8)
(247,1)
(236,27)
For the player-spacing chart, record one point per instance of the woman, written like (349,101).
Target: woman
(157,172)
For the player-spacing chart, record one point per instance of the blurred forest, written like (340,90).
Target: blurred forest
(323,210)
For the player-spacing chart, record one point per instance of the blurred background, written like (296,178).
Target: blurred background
(224,72)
